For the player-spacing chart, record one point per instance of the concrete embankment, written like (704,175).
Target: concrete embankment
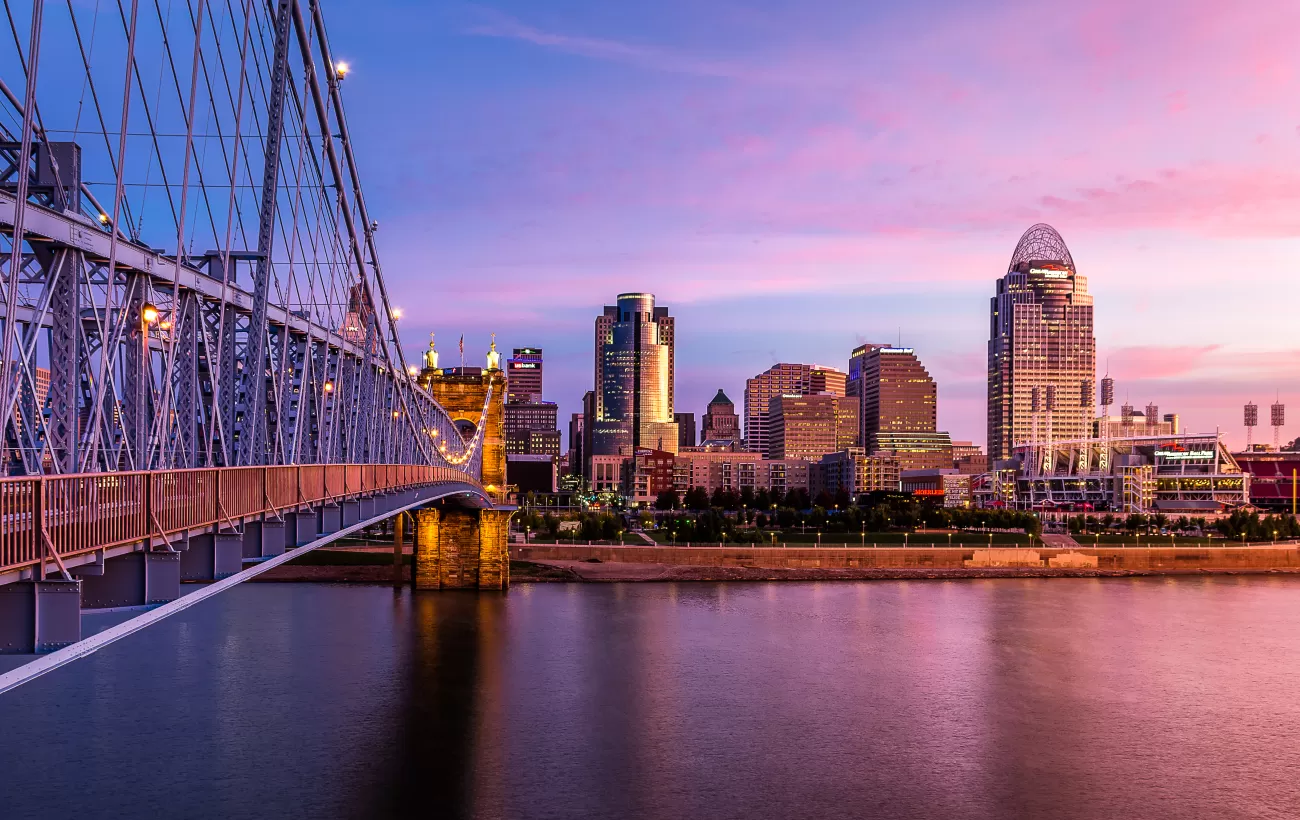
(1104,559)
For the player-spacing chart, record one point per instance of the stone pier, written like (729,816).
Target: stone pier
(462,549)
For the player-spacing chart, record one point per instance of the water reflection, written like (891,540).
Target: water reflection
(1071,699)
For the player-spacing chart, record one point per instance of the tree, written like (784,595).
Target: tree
(697,498)
(667,500)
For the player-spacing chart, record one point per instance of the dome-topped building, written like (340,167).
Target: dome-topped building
(1042,350)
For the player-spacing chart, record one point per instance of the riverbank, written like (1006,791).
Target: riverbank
(371,568)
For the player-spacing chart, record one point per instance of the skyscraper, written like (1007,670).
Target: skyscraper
(1041,344)
(783,379)
(721,422)
(524,375)
(634,377)
(895,394)
(685,429)
(810,426)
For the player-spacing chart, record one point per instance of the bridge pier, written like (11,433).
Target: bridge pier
(351,513)
(39,616)
(263,539)
(331,519)
(133,580)
(462,549)
(300,527)
(213,556)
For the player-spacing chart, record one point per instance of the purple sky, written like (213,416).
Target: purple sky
(793,178)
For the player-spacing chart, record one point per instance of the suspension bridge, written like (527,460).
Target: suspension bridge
(201,364)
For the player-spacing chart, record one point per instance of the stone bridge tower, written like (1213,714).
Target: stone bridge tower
(455,547)
(462,392)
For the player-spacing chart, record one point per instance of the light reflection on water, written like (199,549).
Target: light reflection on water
(966,699)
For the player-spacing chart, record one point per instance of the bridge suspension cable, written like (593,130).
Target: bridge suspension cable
(190,274)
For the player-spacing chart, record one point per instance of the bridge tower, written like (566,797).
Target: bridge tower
(459,548)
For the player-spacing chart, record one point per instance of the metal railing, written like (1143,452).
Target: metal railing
(44,517)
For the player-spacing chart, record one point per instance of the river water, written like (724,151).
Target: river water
(1117,698)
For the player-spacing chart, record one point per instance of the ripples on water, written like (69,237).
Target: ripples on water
(1152,698)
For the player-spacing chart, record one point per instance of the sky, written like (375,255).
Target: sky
(794,178)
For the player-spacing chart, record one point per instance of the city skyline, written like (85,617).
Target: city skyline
(640,156)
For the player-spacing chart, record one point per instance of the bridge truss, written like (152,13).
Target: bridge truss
(190,275)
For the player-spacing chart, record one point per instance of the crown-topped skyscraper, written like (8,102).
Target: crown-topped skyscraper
(1042,351)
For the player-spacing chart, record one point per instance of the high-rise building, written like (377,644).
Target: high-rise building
(827,380)
(809,427)
(524,375)
(1042,351)
(634,378)
(783,379)
(531,428)
(576,440)
(895,394)
(720,421)
(685,430)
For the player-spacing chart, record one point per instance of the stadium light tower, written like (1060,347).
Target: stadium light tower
(1278,419)
(1251,420)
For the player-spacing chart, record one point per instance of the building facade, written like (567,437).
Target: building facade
(1041,351)
(524,375)
(783,380)
(854,472)
(895,395)
(648,473)
(808,427)
(720,421)
(714,470)
(685,429)
(633,394)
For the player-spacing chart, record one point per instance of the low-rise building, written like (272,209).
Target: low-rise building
(607,473)
(854,472)
(916,450)
(949,487)
(647,474)
(725,469)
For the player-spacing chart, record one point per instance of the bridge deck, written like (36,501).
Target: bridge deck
(44,518)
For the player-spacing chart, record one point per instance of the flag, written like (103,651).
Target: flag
(462,344)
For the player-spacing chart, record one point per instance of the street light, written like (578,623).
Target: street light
(148,313)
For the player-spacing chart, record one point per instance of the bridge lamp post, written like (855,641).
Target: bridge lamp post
(341,70)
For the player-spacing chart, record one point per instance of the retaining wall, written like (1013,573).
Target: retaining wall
(1113,558)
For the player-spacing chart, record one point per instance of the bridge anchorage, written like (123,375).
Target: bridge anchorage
(200,366)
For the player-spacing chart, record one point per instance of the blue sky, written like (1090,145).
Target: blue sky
(793,178)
